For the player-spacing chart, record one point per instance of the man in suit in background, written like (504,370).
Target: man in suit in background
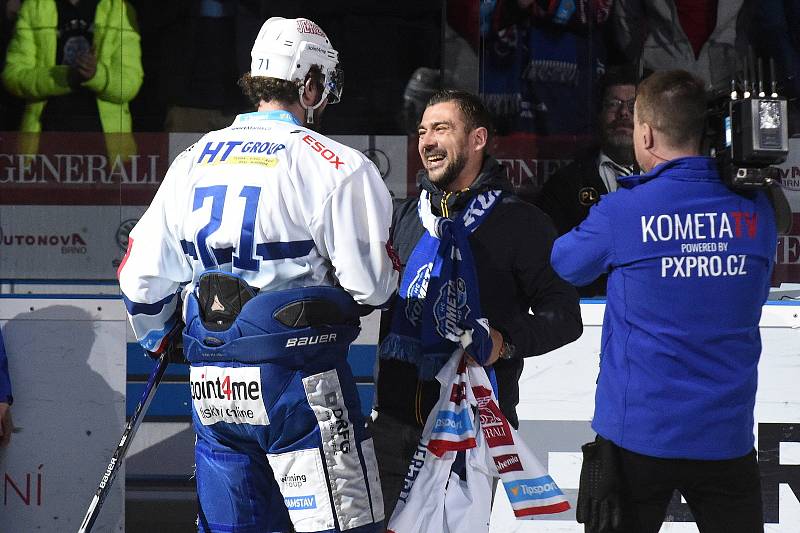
(576,187)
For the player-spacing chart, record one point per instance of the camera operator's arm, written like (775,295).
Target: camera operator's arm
(780,204)
(587,251)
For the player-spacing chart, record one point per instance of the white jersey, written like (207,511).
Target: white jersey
(269,200)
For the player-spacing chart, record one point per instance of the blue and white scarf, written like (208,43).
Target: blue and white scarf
(438,307)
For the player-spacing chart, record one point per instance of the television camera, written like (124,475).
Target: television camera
(752,135)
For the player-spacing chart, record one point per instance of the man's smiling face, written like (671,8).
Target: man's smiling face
(443,143)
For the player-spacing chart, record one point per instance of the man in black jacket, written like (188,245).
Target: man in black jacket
(571,191)
(511,250)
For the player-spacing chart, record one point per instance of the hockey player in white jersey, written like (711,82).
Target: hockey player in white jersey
(275,238)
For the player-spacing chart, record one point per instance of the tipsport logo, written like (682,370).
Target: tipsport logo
(532,489)
(451,308)
(456,423)
(300,503)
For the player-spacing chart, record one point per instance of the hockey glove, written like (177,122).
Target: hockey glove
(174,346)
(598,496)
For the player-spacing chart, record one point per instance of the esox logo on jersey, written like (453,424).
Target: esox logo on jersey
(325,152)
(225,394)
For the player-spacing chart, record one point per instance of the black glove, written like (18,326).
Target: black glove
(174,349)
(598,496)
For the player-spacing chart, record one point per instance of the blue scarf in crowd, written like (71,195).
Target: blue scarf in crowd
(438,304)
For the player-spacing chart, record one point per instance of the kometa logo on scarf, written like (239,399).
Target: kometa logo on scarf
(416,293)
(440,283)
(450,308)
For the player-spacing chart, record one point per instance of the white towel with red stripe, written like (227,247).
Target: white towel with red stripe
(466,443)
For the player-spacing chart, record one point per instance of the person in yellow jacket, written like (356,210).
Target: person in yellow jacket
(77,63)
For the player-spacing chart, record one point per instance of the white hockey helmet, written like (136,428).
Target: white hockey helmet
(287,48)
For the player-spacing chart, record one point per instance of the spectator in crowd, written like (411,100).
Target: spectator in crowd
(706,37)
(461,32)
(511,249)
(195,74)
(572,190)
(539,64)
(690,263)
(10,106)
(420,87)
(776,34)
(6,424)
(77,65)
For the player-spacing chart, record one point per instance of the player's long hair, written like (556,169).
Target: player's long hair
(258,88)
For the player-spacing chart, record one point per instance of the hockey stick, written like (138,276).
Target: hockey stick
(122,448)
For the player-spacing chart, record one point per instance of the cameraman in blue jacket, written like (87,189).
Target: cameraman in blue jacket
(689,263)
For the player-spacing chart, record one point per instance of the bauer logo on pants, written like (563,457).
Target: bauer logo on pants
(225,394)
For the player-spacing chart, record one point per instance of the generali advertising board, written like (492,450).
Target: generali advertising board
(66,210)
(67,207)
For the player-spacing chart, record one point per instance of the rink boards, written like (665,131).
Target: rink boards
(68,359)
